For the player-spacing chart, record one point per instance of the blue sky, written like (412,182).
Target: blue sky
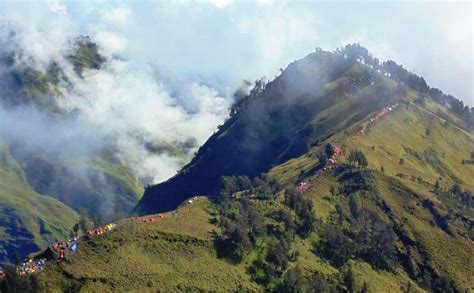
(221,42)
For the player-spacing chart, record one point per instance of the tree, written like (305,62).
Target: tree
(427,132)
(283,216)
(12,282)
(335,246)
(362,160)
(382,169)
(329,150)
(358,159)
(402,161)
(278,254)
(375,240)
(365,288)
(228,185)
(291,197)
(322,158)
(354,207)
(456,189)
(304,209)
(256,222)
(352,157)
(349,281)
(244,182)
(472,156)
(234,241)
(307,220)
(84,222)
(76,228)
(437,186)
(293,281)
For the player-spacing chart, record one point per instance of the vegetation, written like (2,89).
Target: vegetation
(414,82)
(65,179)
(173,253)
(28,221)
(357,158)
(380,222)
(370,230)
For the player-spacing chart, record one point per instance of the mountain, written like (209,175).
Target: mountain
(79,184)
(169,254)
(29,221)
(285,210)
(285,118)
(38,187)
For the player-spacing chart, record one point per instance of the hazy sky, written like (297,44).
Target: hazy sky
(221,42)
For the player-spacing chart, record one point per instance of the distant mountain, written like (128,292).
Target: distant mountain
(39,188)
(88,187)
(29,221)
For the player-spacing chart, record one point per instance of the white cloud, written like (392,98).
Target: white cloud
(197,56)
(58,8)
(124,104)
(110,42)
(118,15)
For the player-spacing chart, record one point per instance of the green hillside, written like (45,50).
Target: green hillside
(169,254)
(39,188)
(271,125)
(80,185)
(29,221)
(404,195)
(395,214)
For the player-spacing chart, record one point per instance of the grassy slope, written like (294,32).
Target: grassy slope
(384,144)
(405,128)
(158,255)
(400,134)
(169,254)
(29,221)
(121,174)
(41,90)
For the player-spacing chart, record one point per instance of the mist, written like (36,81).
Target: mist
(127,111)
(171,69)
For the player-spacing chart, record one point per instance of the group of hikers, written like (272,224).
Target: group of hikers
(101,230)
(28,267)
(331,161)
(31,266)
(336,151)
(330,164)
(376,117)
(57,252)
(148,219)
(303,186)
(350,85)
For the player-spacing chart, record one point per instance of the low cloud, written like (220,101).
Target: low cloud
(171,69)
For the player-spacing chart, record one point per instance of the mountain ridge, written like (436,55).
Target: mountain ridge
(376,217)
(309,75)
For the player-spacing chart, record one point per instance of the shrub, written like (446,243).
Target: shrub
(335,246)
(358,159)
